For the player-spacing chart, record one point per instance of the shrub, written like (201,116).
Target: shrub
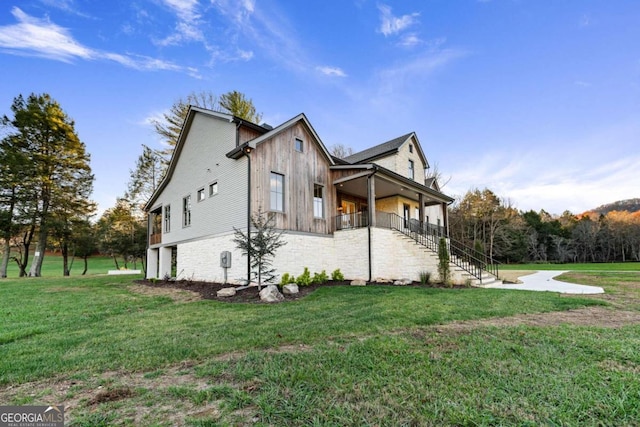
(319,278)
(425,277)
(305,278)
(287,278)
(337,275)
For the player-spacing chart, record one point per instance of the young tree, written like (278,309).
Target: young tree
(122,233)
(443,262)
(59,171)
(260,245)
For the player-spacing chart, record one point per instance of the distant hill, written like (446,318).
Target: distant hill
(630,205)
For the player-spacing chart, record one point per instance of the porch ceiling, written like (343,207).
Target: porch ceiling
(383,188)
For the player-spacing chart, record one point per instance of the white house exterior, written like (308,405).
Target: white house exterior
(356,214)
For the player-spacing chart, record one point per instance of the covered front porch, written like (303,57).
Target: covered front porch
(370,195)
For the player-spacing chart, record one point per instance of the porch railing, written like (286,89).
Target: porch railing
(428,235)
(351,220)
(154,239)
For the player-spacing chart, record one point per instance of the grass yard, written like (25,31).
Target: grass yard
(375,355)
(611,266)
(52,266)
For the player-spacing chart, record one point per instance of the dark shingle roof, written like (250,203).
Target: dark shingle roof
(378,150)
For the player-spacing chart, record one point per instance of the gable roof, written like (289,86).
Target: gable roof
(385,149)
(238,151)
(193,110)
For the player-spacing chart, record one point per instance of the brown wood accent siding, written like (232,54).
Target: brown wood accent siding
(301,172)
(247,134)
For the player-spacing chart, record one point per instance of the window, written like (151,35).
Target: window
(299,145)
(411,148)
(213,189)
(411,170)
(318,202)
(201,194)
(186,211)
(167,218)
(277,192)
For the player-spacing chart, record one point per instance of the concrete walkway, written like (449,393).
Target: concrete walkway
(544,281)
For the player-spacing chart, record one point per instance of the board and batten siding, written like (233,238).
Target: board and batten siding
(301,170)
(202,162)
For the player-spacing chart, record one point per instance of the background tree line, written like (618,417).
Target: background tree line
(496,229)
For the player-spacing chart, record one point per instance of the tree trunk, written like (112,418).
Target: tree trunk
(36,265)
(65,259)
(6,253)
(115,260)
(86,264)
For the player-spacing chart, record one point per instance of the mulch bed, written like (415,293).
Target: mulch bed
(208,290)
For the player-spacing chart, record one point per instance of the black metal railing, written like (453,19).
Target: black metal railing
(470,260)
(351,220)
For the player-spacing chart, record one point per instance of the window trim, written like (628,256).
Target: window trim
(211,186)
(412,170)
(200,195)
(166,218)
(280,196)
(186,211)
(321,201)
(295,144)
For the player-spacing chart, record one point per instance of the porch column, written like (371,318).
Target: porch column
(165,263)
(371,199)
(152,263)
(445,216)
(421,210)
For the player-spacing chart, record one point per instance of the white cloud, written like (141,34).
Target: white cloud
(331,71)
(411,40)
(390,24)
(188,25)
(40,37)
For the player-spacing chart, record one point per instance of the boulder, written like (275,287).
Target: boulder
(359,282)
(290,289)
(271,294)
(403,282)
(226,292)
(383,280)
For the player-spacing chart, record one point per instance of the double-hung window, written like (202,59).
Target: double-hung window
(276,192)
(318,202)
(186,211)
(167,218)
(411,170)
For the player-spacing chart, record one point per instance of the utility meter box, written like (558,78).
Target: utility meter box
(225,259)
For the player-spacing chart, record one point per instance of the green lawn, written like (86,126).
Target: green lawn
(610,266)
(341,356)
(52,266)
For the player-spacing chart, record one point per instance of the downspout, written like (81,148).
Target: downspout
(246,150)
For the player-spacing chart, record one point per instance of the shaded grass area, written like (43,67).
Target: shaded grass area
(52,266)
(611,266)
(60,326)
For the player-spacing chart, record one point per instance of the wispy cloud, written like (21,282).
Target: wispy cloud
(585,21)
(40,37)
(410,40)
(188,25)
(331,71)
(67,6)
(390,24)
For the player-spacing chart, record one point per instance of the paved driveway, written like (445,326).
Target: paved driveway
(544,281)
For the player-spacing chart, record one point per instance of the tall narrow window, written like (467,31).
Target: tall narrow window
(411,148)
(167,218)
(318,202)
(299,145)
(186,211)
(411,170)
(277,192)
(201,194)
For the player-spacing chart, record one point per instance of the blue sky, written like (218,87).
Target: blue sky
(538,100)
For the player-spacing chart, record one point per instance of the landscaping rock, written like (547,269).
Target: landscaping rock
(403,282)
(290,289)
(359,282)
(271,294)
(382,280)
(226,292)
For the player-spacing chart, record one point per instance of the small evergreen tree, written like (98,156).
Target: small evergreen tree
(443,263)
(260,244)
